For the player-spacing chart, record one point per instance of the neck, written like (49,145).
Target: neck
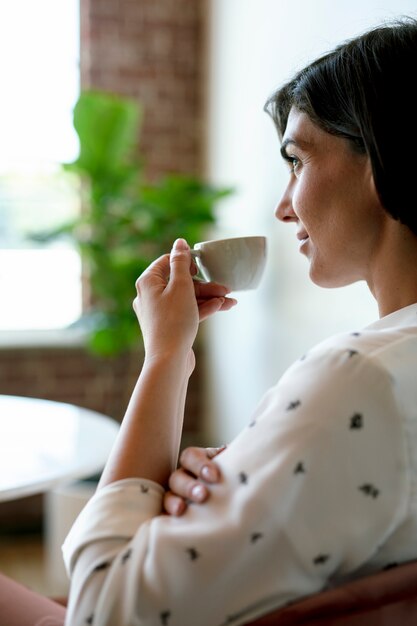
(393,273)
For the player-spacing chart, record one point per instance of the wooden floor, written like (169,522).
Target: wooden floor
(22,557)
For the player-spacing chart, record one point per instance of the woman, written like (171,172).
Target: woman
(319,488)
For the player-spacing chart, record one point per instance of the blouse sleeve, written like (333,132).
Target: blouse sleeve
(311,489)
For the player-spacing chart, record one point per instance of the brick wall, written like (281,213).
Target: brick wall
(151,51)
(73,375)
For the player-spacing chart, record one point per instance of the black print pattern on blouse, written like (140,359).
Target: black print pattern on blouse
(321,559)
(299,468)
(355,334)
(356,421)
(293,405)
(164,617)
(102,566)
(252,424)
(255,537)
(243,478)
(193,554)
(126,556)
(89,620)
(352,353)
(369,490)
(144,488)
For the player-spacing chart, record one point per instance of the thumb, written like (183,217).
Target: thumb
(180,259)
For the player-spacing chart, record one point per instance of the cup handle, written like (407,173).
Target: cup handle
(198,277)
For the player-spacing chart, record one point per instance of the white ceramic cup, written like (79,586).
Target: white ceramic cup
(236,263)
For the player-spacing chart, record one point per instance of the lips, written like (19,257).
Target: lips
(303,238)
(302,235)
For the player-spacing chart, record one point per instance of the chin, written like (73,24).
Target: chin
(330,279)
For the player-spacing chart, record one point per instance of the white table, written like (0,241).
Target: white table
(44,444)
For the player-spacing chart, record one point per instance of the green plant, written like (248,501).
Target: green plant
(125,222)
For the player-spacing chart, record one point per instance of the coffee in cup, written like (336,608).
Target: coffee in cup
(236,263)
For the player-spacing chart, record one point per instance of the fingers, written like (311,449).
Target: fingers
(180,259)
(211,298)
(187,487)
(212,452)
(197,461)
(209,307)
(190,483)
(209,290)
(159,269)
(174,505)
(180,264)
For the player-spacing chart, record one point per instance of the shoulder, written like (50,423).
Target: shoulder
(376,351)
(338,365)
(346,375)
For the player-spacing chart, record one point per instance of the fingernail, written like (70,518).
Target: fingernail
(198,493)
(180,244)
(209,473)
(179,508)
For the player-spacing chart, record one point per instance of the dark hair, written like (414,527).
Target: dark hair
(364,90)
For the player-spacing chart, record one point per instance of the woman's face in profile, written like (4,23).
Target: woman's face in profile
(331,198)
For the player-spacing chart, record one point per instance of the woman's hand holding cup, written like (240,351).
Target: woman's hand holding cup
(169,304)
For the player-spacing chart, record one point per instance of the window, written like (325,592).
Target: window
(40,286)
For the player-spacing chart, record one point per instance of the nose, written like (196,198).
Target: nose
(284,211)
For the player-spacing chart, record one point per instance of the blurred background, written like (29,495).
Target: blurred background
(200,71)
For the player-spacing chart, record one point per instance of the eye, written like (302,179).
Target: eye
(294,162)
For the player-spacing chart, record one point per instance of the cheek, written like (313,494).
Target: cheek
(301,200)
(308,203)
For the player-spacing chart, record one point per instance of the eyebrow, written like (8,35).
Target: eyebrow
(284,145)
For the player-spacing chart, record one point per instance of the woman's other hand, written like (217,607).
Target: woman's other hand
(190,482)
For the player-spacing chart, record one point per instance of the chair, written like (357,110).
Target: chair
(385,599)
(388,598)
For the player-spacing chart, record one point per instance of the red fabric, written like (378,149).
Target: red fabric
(385,599)
(19,606)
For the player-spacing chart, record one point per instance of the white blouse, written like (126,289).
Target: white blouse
(320,488)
